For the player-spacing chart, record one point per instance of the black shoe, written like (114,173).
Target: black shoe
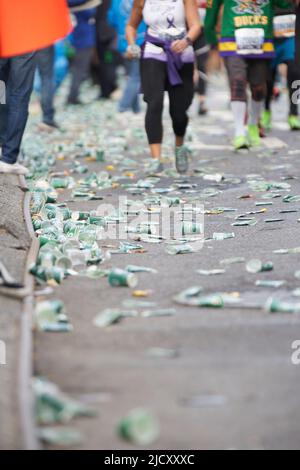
(103,98)
(202,110)
(74,102)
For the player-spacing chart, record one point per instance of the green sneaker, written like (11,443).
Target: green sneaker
(240,143)
(182,159)
(266,121)
(253,135)
(294,123)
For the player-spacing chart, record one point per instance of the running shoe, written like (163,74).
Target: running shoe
(253,135)
(266,121)
(155,168)
(182,159)
(15,168)
(240,143)
(294,123)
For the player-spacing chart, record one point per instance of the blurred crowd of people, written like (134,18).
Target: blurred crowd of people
(162,46)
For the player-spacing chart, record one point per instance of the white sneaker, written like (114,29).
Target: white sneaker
(20,169)
(15,169)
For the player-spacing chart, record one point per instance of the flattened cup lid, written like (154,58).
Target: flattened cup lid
(254,266)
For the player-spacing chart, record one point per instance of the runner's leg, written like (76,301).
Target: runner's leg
(181,98)
(237,73)
(258,75)
(153,76)
(293,77)
(258,70)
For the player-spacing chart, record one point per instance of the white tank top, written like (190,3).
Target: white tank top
(165,18)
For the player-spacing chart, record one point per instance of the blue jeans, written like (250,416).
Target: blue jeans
(45,65)
(130,99)
(18,74)
(79,71)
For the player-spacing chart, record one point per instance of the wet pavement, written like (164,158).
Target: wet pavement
(230,381)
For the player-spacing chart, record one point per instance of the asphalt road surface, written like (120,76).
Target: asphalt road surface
(232,383)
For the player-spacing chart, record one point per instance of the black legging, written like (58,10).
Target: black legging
(154,83)
(292,76)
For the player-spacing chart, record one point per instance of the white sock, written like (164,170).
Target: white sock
(239,109)
(256,108)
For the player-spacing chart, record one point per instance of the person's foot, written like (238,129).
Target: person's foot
(74,102)
(240,143)
(108,95)
(294,123)
(125,112)
(202,109)
(14,168)
(253,135)
(156,167)
(129,111)
(48,127)
(262,131)
(266,121)
(182,159)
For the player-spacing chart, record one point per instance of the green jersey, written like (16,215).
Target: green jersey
(247,27)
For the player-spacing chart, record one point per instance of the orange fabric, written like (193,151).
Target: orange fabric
(27,25)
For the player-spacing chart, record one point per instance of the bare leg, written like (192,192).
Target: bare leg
(179,141)
(155,150)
